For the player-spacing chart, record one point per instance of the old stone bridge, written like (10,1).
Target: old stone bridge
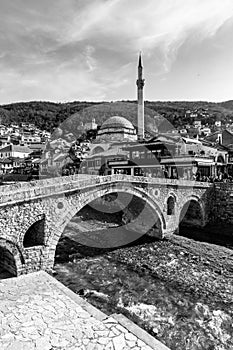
(34,215)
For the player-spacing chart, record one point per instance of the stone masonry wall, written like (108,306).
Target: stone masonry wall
(8,261)
(222,206)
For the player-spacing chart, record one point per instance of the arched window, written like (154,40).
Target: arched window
(171,206)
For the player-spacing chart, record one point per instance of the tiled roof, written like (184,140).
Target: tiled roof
(60,157)
(109,153)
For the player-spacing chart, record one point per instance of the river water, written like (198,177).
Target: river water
(178,318)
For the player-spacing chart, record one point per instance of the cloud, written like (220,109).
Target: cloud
(159,25)
(61,49)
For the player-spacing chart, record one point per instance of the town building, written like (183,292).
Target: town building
(205,131)
(222,137)
(14,151)
(218,123)
(197,124)
(90,125)
(5,140)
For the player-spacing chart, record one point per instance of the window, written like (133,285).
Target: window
(135,154)
(142,155)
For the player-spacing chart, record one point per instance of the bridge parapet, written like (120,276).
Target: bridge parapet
(42,188)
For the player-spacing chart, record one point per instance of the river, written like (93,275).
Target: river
(156,292)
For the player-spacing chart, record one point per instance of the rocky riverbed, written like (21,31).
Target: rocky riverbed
(180,290)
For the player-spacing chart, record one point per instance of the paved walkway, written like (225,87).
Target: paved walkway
(38,312)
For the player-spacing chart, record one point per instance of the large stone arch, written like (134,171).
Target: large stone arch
(196,204)
(77,202)
(14,261)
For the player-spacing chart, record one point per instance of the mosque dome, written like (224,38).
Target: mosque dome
(117,122)
(117,129)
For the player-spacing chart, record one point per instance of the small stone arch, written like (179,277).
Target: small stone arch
(12,259)
(78,204)
(35,234)
(192,213)
(171,202)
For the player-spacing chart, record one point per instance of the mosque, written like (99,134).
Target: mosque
(117,132)
(119,129)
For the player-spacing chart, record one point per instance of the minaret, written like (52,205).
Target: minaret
(140,84)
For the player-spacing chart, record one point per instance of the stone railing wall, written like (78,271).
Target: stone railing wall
(43,188)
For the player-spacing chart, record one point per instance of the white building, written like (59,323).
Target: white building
(205,131)
(197,124)
(218,123)
(14,151)
(90,125)
(29,139)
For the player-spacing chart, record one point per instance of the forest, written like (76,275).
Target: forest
(49,115)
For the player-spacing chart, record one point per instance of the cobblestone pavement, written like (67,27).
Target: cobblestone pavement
(37,312)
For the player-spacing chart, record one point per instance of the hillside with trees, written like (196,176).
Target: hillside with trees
(49,115)
(103,111)
(45,115)
(175,112)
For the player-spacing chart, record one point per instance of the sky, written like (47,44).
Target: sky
(66,50)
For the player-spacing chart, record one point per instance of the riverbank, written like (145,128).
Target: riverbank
(178,289)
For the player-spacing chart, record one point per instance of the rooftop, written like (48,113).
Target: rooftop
(117,122)
(15,148)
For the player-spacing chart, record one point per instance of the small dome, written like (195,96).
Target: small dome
(117,122)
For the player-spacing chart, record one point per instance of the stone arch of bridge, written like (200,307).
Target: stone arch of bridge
(12,258)
(35,233)
(170,203)
(31,220)
(90,196)
(194,207)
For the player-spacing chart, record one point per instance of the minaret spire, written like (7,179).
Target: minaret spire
(140,60)
(140,84)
